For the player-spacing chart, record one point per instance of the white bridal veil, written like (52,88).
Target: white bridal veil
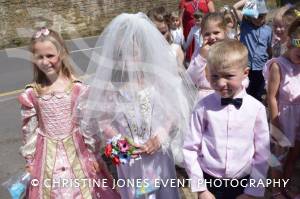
(132,56)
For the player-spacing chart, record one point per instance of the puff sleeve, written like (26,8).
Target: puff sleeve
(29,126)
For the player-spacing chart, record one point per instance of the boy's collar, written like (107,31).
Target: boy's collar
(241,94)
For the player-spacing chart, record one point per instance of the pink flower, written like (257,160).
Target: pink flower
(123,146)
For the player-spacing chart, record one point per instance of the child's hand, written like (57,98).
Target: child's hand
(205,48)
(205,195)
(109,132)
(245,196)
(96,167)
(150,147)
(28,168)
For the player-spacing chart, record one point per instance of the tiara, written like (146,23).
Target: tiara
(42,31)
(296,43)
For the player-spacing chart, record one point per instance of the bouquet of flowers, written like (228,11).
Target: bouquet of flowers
(119,149)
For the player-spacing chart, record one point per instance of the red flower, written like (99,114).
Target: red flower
(116,160)
(108,150)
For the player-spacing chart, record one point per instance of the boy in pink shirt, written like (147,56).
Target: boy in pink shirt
(229,137)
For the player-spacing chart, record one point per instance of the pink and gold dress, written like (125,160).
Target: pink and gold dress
(59,152)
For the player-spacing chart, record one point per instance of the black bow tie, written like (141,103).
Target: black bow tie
(237,102)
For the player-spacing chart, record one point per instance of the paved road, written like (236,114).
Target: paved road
(15,72)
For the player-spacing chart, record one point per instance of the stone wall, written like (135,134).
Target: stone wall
(72,18)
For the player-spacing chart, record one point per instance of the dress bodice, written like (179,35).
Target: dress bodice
(55,113)
(290,80)
(137,115)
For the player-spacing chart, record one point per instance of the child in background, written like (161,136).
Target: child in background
(282,20)
(213,29)
(176,28)
(230,18)
(54,147)
(257,37)
(283,79)
(195,34)
(222,119)
(279,33)
(161,20)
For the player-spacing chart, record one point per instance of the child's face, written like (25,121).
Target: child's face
(227,80)
(213,33)
(46,58)
(175,23)
(198,21)
(259,21)
(278,27)
(163,29)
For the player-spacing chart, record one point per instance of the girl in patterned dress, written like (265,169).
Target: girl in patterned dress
(57,153)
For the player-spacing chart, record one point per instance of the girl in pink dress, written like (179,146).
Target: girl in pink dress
(58,154)
(283,79)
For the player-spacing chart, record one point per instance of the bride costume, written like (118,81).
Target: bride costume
(137,89)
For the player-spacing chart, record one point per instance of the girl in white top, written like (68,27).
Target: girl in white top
(176,28)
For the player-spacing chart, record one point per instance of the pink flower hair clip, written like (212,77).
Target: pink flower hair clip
(42,31)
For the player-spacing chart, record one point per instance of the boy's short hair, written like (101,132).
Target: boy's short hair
(227,53)
(198,14)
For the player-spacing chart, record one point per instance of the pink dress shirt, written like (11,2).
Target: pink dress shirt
(226,142)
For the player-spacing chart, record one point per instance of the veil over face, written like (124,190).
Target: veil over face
(131,55)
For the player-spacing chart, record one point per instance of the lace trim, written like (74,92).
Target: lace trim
(145,109)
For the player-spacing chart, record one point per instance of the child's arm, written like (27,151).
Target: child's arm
(272,94)
(273,87)
(192,151)
(196,70)
(189,39)
(211,6)
(238,6)
(261,155)
(180,55)
(29,128)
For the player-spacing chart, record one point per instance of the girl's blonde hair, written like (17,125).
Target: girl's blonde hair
(294,29)
(230,16)
(213,17)
(39,78)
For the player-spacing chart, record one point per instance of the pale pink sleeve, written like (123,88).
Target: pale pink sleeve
(29,126)
(196,71)
(191,150)
(261,154)
(88,129)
